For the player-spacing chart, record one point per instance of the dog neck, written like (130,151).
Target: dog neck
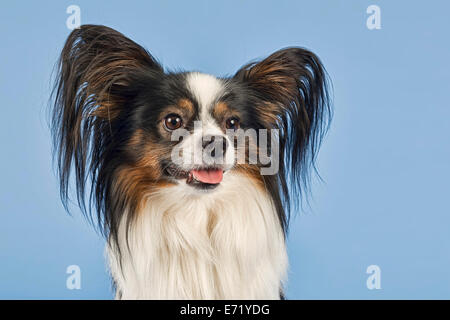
(224,244)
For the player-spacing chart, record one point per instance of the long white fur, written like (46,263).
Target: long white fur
(188,244)
(225,244)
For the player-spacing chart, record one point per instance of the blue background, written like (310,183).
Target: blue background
(385,162)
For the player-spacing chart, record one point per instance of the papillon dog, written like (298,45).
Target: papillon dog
(188,211)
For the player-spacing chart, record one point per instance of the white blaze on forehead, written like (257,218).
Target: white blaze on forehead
(206,89)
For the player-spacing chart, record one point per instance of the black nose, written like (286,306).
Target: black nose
(215,142)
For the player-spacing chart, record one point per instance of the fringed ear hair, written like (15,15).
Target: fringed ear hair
(94,81)
(291,90)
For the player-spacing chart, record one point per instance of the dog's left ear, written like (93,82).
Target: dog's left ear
(290,90)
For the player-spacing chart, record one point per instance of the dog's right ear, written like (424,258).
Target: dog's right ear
(96,65)
(94,83)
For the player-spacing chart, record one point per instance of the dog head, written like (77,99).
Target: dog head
(129,127)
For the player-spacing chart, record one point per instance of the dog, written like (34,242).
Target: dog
(127,130)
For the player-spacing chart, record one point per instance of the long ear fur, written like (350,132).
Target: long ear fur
(94,82)
(294,86)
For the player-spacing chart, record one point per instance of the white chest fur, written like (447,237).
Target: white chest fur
(226,244)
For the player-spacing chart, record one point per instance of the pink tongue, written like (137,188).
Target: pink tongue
(208,176)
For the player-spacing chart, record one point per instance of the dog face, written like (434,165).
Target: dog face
(187,125)
(131,127)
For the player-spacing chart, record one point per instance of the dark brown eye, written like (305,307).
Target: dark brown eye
(232,123)
(173,121)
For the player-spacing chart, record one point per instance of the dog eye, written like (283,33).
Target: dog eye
(173,121)
(232,123)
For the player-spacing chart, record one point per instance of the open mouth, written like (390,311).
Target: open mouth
(204,178)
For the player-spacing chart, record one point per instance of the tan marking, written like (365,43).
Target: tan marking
(251,171)
(268,113)
(221,110)
(187,105)
(135,182)
(137,138)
